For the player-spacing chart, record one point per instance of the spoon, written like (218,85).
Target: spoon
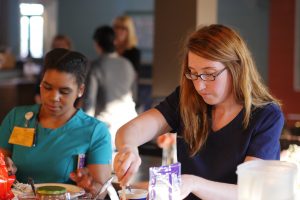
(31,182)
(104,187)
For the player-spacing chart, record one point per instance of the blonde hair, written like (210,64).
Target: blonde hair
(127,22)
(222,44)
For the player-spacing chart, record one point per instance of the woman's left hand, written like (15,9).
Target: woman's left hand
(84,179)
(186,185)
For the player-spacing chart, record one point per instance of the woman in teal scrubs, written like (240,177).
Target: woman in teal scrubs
(50,140)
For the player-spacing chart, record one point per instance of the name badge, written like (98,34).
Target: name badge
(22,136)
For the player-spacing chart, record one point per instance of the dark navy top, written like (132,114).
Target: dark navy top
(226,148)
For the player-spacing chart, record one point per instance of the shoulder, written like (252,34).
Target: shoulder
(16,116)
(112,59)
(267,115)
(133,50)
(269,110)
(88,121)
(175,95)
(170,103)
(22,110)
(95,64)
(169,108)
(125,63)
(124,60)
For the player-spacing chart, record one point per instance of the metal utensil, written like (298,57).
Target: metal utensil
(104,187)
(128,187)
(31,183)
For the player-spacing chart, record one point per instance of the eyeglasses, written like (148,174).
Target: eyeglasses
(204,77)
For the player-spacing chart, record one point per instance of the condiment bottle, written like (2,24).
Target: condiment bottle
(52,193)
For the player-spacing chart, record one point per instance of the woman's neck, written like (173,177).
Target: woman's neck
(55,121)
(224,113)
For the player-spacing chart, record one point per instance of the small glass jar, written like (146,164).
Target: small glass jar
(51,193)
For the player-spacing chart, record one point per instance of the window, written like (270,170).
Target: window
(31,30)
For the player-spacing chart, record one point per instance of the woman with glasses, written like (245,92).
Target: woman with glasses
(222,113)
(126,42)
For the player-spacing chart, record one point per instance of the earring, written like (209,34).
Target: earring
(79,95)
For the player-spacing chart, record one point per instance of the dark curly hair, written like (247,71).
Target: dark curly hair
(67,61)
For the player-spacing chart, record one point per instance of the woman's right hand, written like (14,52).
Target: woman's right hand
(84,179)
(126,163)
(11,167)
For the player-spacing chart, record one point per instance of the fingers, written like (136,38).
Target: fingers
(131,170)
(120,158)
(11,167)
(166,140)
(83,178)
(126,164)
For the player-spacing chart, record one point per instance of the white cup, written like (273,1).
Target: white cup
(134,194)
(266,179)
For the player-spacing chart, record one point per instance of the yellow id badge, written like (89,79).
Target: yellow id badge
(22,136)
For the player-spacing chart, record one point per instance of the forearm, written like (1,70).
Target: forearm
(142,129)
(100,173)
(92,177)
(210,190)
(128,135)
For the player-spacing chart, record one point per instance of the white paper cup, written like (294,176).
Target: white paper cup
(134,194)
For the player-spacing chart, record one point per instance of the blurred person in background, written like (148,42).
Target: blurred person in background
(46,141)
(109,84)
(61,41)
(126,40)
(7,59)
(126,45)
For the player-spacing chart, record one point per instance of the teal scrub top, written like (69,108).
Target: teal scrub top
(55,154)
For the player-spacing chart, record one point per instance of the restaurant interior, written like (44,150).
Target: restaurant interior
(271,29)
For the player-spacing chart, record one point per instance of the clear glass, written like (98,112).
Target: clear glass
(169,154)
